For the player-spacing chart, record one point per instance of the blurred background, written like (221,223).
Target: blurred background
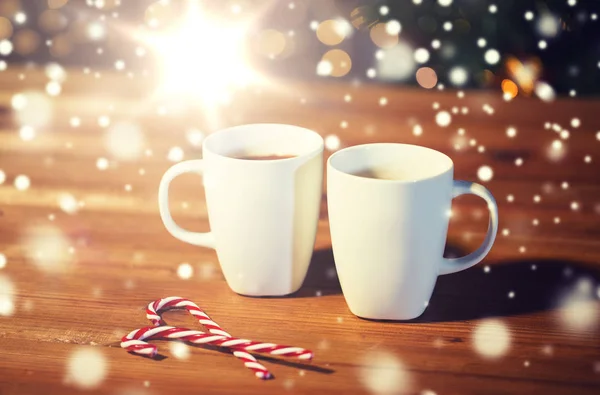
(527,47)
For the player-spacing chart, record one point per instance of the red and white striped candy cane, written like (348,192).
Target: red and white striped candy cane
(134,341)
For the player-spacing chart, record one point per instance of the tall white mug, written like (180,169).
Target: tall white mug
(263,212)
(389,207)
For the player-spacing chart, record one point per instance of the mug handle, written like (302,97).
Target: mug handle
(454,265)
(195,238)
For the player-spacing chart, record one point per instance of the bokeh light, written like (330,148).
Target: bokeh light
(185,271)
(33,108)
(175,154)
(426,77)
(68,203)
(492,56)
(383,373)
(22,182)
(47,248)
(332,142)
(179,350)
(7,294)
(421,55)
(578,308)
(397,64)
(443,118)
(458,76)
(544,91)
(382,37)
(333,31)
(124,140)
(270,43)
(86,368)
(485,173)
(339,60)
(547,25)
(491,339)
(6,28)
(509,88)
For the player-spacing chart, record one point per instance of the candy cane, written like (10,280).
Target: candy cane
(134,341)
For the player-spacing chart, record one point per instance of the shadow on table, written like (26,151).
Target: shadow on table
(474,293)
(321,278)
(261,357)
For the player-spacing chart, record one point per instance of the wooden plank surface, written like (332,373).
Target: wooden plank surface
(80,281)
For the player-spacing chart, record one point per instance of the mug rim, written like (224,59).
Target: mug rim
(359,147)
(251,126)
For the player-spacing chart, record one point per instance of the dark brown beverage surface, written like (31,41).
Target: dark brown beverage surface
(264,157)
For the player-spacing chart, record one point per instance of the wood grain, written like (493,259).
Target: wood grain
(121,257)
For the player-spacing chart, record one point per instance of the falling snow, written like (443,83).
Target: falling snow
(86,368)
(491,338)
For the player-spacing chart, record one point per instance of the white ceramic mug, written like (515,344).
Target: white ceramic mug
(263,214)
(388,232)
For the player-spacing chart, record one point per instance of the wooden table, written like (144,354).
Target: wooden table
(80,281)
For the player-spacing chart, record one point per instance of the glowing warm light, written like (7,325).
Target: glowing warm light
(201,57)
(340,62)
(6,29)
(426,77)
(333,31)
(381,36)
(510,89)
